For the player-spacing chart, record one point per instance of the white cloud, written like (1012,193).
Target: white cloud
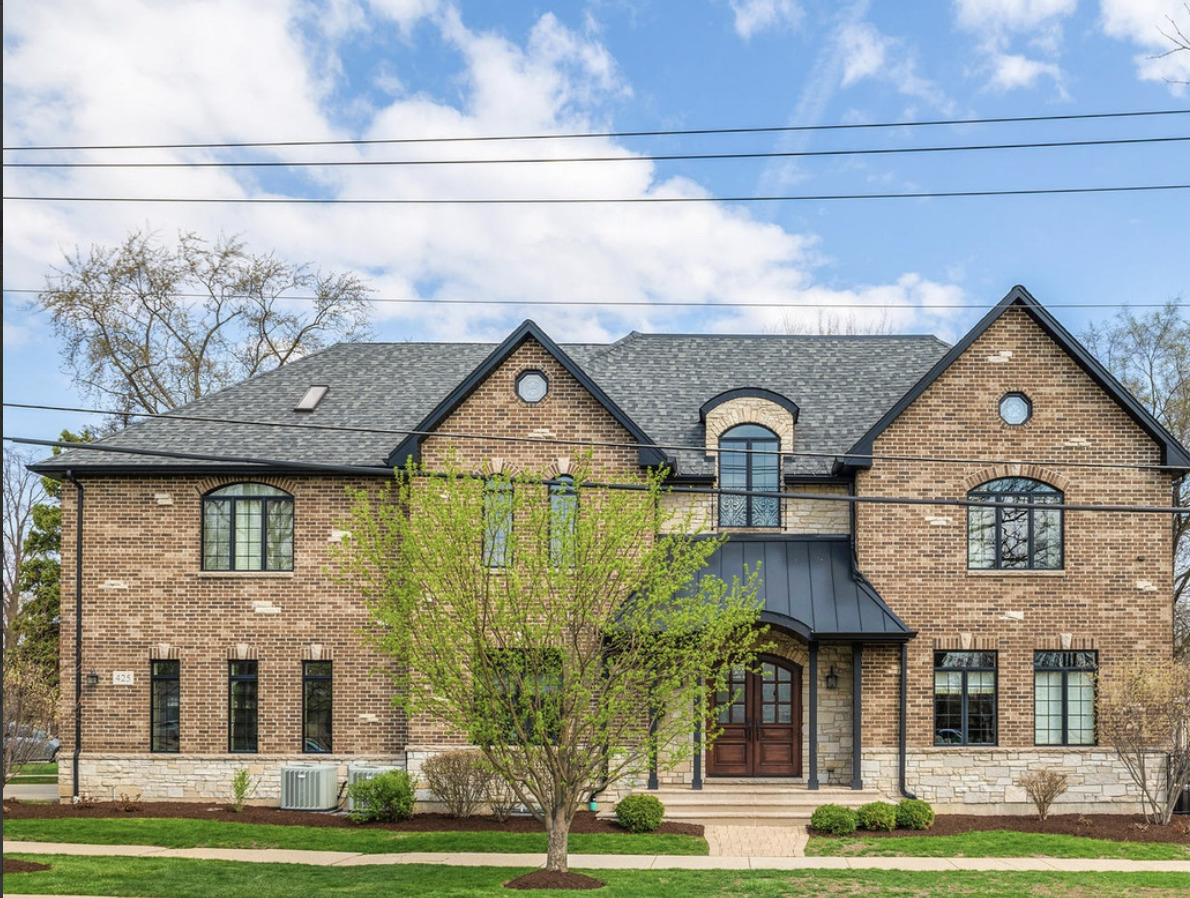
(867,53)
(223,70)
(754,16)
(1012,71)
(1010,15)
(1143,22)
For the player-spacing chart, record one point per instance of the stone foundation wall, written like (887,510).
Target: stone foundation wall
(192,777)
(984,782)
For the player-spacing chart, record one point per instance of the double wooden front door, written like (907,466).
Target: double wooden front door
(761,730)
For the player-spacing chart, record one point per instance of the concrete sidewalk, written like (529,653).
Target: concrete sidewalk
(609,861)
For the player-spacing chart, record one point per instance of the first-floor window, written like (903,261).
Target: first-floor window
(316,706)
(522,701)
(964,698)
(241,705)
(164,705)
(1064,698)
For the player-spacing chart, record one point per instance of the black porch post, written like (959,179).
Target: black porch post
(699,711)
(857,704)
(812,783)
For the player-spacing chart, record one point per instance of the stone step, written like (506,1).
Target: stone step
(722,802)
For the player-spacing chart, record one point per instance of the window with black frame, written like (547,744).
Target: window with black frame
(749,461)
(164,705)
(247,527)
(964,698)
(1064,697)
(316,706)
(242,706)
(563,520)
(497,522)
(1013,538)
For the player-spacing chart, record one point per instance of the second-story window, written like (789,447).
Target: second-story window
(497,522)
(247,527)
(563,520)
(1015,538)
(749,460)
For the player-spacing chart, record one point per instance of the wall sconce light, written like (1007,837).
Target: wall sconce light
(832,679)
(93,679)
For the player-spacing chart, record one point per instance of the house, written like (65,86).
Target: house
(920,647)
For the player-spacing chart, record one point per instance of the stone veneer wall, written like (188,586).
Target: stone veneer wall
(197,777)
(798,516)
(975,781)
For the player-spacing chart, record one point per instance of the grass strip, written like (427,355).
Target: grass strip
(185,878)
(187,833)
(995,843)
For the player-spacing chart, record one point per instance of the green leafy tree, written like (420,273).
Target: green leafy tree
(1150,354)
(148,327)
(549,626)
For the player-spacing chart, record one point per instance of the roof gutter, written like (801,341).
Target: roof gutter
(78,637)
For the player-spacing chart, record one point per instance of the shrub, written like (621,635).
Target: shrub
(879,815)
(458,779)
(501,799)
(834,819)
(640,813)
(383,798)
(243,787)
(913,813)
(1043,786)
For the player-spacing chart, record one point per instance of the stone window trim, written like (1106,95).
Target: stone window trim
(244,575)
(748,406)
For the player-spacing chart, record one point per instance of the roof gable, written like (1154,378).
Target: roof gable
(410,447)
(1172,452)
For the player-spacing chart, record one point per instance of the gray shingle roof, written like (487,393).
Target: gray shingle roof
(842,384)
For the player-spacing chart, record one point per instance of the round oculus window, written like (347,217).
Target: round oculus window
(532,386)
(1015,408)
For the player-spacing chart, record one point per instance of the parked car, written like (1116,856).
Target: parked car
(31,744)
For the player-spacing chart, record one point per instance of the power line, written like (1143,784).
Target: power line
(632,303)
(591,201)
(601,444)
(689,132)
(669,157)
(694,490)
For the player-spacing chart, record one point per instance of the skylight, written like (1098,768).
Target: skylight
(312,398)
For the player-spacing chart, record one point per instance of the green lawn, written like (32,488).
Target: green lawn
(184,878)
(36,774)
(995,843)
(185,833)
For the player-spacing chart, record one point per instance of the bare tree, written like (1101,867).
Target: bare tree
(1174,34)
(831,324)
(1144,714)
(22,491)
(1150,354)
(30,706)
(149,327)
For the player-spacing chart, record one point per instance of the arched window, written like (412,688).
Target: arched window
(247,527)
(1015,538)
(749,459)
(563,518)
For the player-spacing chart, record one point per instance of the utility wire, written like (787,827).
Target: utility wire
(773,129)
(601,444)
(694,490)
(668,157)
(590,201)
(646,303)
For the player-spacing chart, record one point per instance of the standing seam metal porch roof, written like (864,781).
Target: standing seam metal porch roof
(810,585)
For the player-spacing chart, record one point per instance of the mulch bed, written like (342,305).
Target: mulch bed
(12,865)
(584,821)
(547,879)
(1115,827)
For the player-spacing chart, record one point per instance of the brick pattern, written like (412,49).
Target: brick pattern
(1115,588)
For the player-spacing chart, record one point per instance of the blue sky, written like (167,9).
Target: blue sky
(218,71)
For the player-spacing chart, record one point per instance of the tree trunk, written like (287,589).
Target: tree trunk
(558,828)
